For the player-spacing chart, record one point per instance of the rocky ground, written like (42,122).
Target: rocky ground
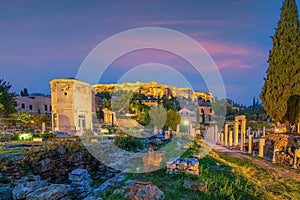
(66,170)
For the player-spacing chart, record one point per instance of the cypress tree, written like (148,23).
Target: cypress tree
(283,74)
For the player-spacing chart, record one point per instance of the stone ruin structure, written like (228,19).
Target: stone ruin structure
(228,138)
(283,148)
(72,106)
(189,165)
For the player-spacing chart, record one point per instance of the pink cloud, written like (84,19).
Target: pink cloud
(173,22)
(233,62)
(222,48)
(187,22)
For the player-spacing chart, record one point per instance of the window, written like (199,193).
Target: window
(23,106)
(81,122)
(50,107)
(46,108)
(30,107)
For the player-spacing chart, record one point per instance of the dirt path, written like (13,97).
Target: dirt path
(280,171)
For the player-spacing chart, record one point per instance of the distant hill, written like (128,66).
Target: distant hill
(153,89)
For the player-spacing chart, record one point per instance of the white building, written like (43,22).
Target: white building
(35,105)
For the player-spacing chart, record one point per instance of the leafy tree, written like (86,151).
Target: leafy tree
(105,104)
(173,119)
(158,100)
(128,143)
(220,107)
(26,120)
(293,105)
(42,118)
(169,105)
(203,116)
(144,118)
(103,95)
(283,77)
(121,102)
(24,93)
(6,99)
(197,116)
(158,116)
(1,105)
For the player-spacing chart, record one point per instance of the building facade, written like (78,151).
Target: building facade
(72,106)
(35,104)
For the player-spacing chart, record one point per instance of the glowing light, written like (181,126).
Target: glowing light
(186,122)
(25,136)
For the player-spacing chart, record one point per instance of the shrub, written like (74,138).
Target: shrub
(128,143)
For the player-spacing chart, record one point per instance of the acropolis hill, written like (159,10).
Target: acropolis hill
(153,89)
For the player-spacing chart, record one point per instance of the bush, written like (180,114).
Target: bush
(128,143)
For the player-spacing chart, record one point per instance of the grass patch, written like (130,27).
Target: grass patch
(222,180)
(273,186)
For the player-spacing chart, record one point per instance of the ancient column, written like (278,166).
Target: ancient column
(216,133)
(296,156)
(258,132)
(250,146)
(230,138)
(111,118)
(226,128)
(264,131)
(248,131)
(242,141)
(274,155)
(105,116)
(43,127)
(243,131)
(261,147)
(298,128)
(222,138)
(226,137)
(236,132)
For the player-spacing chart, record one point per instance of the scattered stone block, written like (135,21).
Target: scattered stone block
(5,192)
(81,181)
(195,185)
(21,190)
(119,191)
(144,191)
(92,198)
(189,165)
(79,175)
(52,192)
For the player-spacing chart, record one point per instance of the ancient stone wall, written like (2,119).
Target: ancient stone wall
(285,145)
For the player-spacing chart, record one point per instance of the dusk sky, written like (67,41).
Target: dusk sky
(43,40)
